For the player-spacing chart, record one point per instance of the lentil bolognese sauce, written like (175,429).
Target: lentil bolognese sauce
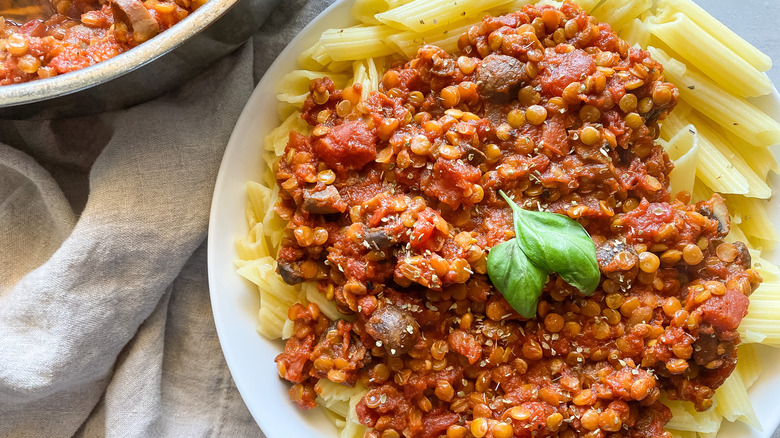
(393,205)
(81,33)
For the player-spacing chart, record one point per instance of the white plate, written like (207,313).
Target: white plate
(235,301)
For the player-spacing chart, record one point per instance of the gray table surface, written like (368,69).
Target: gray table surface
(757,22)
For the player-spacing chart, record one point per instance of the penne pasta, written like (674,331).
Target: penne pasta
(753,216)
(306,59)
(294,87)
(319,54)
(768,270)
(748,364)
(276,140)
(735,114)
(736,234)
(682,433)
(259,199)
(717,30)
(364,10)
(734,403)
(273,225)
(618,13)
(339,66)
(253,245)
(635,32)
(373,76)
(683,149)
(268,177)
(326,306)
(358,42)
(757,186)
(273,305)
(761,160)
(700,191)
(709,55)
(353,428)
(424,15)
(587,5)
(761,318)
(288,329)
(341,401)
(713,168)
(409,42)
(685,417)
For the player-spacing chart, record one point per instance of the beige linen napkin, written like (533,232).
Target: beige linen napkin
(84,303)
(105,321)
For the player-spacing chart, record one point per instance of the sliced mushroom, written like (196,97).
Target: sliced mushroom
(618,261)
(443,65)
(289,272)
(499,77)
(327,201)
(474,155)
(744,257)
(705,349)
(395,328)
(378,239)
(137,17)
(716,209)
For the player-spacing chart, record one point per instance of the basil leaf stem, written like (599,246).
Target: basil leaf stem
(519,280)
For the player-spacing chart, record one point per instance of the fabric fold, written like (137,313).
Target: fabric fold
(63,324)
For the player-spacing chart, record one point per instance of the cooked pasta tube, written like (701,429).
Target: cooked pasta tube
(762,315)
(683,149)
(636,33)
(713,168)
(735,114)
(328,307)
(306,59)
(319,54)
(358,42)
(769,271)
(276,140)
(682,433)
(424,15)
(364,10)
(294,86)
(618,13)
(754,217)
(760,159)
(748,364)
(710,56)
(734,402)
(685,417)
(718,30)
(757,186)
(587,5)
(253,245)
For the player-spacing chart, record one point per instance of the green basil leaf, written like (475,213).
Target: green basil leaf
(519,280)
(559,244)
